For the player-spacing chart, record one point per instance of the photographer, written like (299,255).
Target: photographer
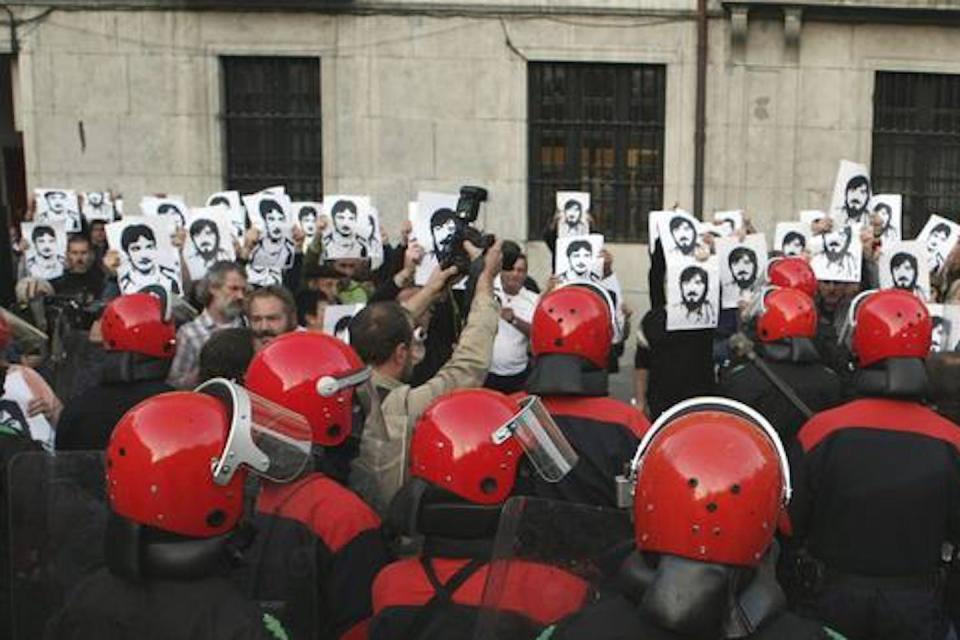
(383,336)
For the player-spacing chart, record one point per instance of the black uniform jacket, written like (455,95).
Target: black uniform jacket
(878,490)
(317,513)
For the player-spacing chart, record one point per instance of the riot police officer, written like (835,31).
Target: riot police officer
(878,489)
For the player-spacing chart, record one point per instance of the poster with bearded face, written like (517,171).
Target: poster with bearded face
(208,240)
(434,229)
(693,293)
(945,336)
(574,208)
(851,195)
(230,200)
(679,232)
(902,267)
(837,256)
(790,238)
(741,264)
(938,237)
(351,228)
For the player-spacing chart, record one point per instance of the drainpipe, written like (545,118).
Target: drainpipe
(700,133)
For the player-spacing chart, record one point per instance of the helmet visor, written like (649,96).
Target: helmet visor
(541,439)
(269,440)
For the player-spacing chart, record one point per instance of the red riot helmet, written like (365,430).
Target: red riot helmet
(469,442)
(711,483)
(792,273)
(573,320)
(891,323)
(785,313)
(139,323)
(313,374)
(177,462)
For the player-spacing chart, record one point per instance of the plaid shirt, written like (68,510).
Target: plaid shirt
(190,340)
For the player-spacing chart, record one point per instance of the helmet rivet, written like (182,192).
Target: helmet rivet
(703,550)
(644,537)
(159,516)
(153,488)
(649,507)
(696,529)
(448,479)
(716,531)
(711,507)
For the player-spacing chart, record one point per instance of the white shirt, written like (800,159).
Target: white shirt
(510,347)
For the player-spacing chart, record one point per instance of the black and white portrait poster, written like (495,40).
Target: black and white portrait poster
(147,254)
(693,293)
(578,259)
(902,266)
(679,233)
(272,215)
(851,195)
(945,336)
(837,256)
(97,205)
(790,238)
(888,208)
(741,267)
(46,248)
(434,229)
(574,208)
(810,216)
(172,207)
(235,211)
(352,228)
(728,222)
(307,214)
(14,412)
(263,276)
(58,205)
(938,237)
(208,240)
(337,317)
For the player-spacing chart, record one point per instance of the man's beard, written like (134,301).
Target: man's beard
(694,304)
(744,281)
(686,249)
(834,255)
(904,283)
(207,253)
(233,310)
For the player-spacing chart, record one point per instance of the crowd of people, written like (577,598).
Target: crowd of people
(791,473)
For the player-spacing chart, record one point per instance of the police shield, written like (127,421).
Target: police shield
(57,523)
(549,560)
(55,519)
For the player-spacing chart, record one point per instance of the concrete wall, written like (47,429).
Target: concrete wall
(418,103)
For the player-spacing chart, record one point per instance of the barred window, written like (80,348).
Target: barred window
(272,122)
(916,144)
(597,128)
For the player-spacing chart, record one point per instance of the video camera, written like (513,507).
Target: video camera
(468,209)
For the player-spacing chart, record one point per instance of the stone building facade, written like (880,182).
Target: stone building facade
(430,95)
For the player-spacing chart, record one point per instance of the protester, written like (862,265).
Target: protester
(139,343)
(227,354)
(509,367)
(383,336)
(82,276)
(271,312)
(222,291)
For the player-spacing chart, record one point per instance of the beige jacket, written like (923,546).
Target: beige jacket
(380,469)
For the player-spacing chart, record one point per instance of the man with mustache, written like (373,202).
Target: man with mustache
(139,243)
(905,273)
(271,312)
(45,262)
(343,241)
(743,269)
(886,230)
(574,223)
(222,289)
(58,208)
(794,244)
(936,249)
(694,288)
(836,261)
(855,200)
(204,247)
(580,260)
